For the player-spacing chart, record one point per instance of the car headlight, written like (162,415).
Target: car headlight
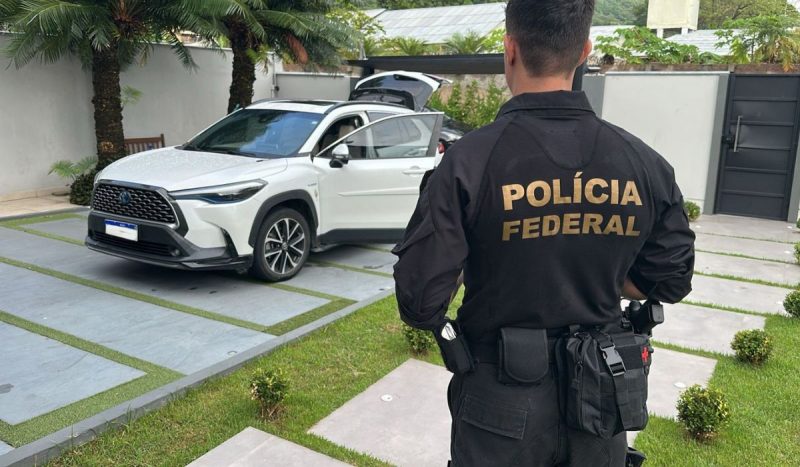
(220,194)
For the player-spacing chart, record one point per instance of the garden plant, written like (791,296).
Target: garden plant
(752,346)
(420,342)
(269,387)
(792,303)
(692,210)
(702,411)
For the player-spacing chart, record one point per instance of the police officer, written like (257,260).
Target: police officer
(552,214)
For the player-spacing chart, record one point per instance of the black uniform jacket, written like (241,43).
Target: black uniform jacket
(547,210)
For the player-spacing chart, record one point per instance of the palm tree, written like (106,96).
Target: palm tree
(470,43)
(296,30)
(106,35)
(409,46)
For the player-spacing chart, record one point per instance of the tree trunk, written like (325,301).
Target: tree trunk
(244,69)
(107,105)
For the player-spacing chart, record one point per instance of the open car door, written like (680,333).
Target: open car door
(369,180)
(406,88)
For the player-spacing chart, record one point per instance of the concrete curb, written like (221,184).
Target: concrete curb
(45,213)
(51,446)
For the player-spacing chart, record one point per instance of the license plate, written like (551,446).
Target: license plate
(122,230)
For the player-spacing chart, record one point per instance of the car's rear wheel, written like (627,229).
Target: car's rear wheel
(282,246)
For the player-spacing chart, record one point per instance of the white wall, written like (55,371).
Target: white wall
(178,101)
(675,113)
(322,86)
(45,116)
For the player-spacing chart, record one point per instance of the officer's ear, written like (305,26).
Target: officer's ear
(510,46)
(587,49)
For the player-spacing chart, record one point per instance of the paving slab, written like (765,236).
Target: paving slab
(225,294)
(670,374)
(695,327)
(754,269)
(180,341)
(744,246)
(255,448)
(40,375)
(737,294)
(73,228)
(4,448)
(340,282)
(402,419)
(363,258)
(747,227)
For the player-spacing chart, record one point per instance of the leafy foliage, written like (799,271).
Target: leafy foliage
(752,346)
(130,96)
(408,46)
(269,387)
(702,411)
(80,192)
(714,13)
(365,27)
(468,104)
(692,210)
(630,12)
(418,340)
(71,169)
(797,251)
(639,45)
(470,43)
(792,303)
(763,39)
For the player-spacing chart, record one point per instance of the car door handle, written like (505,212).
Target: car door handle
(414,171)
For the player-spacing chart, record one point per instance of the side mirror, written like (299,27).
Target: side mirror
(340,156)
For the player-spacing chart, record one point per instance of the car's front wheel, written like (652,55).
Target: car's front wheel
(282,246)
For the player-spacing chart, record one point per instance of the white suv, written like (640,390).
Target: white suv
(265,185)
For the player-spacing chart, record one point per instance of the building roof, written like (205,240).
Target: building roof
(437,25)
(704,39)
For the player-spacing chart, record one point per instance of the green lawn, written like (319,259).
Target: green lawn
(332,365)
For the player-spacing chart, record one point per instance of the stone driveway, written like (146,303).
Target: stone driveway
(78,327)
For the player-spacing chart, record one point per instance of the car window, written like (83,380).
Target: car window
(264,133)
(403,136)
(379,115)
(338,130)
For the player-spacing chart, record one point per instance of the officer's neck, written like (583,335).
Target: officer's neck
(529,84)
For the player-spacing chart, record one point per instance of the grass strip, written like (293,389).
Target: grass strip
(740,255)
(135,295)
(764,404)
(23,223)
(326,369)
(350,268)
(745,279)
(746,238)
(728,308)
(310,316)
(35,428)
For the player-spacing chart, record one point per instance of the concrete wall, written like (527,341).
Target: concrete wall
(304,85)
(678,114)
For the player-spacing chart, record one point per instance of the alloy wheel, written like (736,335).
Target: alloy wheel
(284,246)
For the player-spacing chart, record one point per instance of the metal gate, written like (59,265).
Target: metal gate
(760,146)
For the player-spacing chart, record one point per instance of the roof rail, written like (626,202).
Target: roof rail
(348,103)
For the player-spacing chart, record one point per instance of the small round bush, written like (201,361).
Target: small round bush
(752,346)
(692,210)
(420,341)
(792,303)
(702,411)
(797,224)
(269,387)
(797,252)
(80,192)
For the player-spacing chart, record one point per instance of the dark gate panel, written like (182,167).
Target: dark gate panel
(758,157)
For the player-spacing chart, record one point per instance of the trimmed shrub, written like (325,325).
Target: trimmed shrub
(703,411)
(792,303)
(752,346)
(692,210)
(81,189)
(797,252)
(418,340)
(797,224)
(269,387)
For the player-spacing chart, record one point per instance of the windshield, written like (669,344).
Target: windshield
(267,133)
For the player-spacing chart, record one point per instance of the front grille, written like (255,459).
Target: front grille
(142,204)
(149,248)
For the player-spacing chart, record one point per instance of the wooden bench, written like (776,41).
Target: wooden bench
(134,145)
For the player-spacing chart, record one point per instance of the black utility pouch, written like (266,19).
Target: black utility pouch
(603,382)
(523,356)
(455,352)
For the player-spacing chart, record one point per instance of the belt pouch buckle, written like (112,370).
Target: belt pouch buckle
(522,356)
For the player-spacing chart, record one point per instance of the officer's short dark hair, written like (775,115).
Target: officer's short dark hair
(550,33)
